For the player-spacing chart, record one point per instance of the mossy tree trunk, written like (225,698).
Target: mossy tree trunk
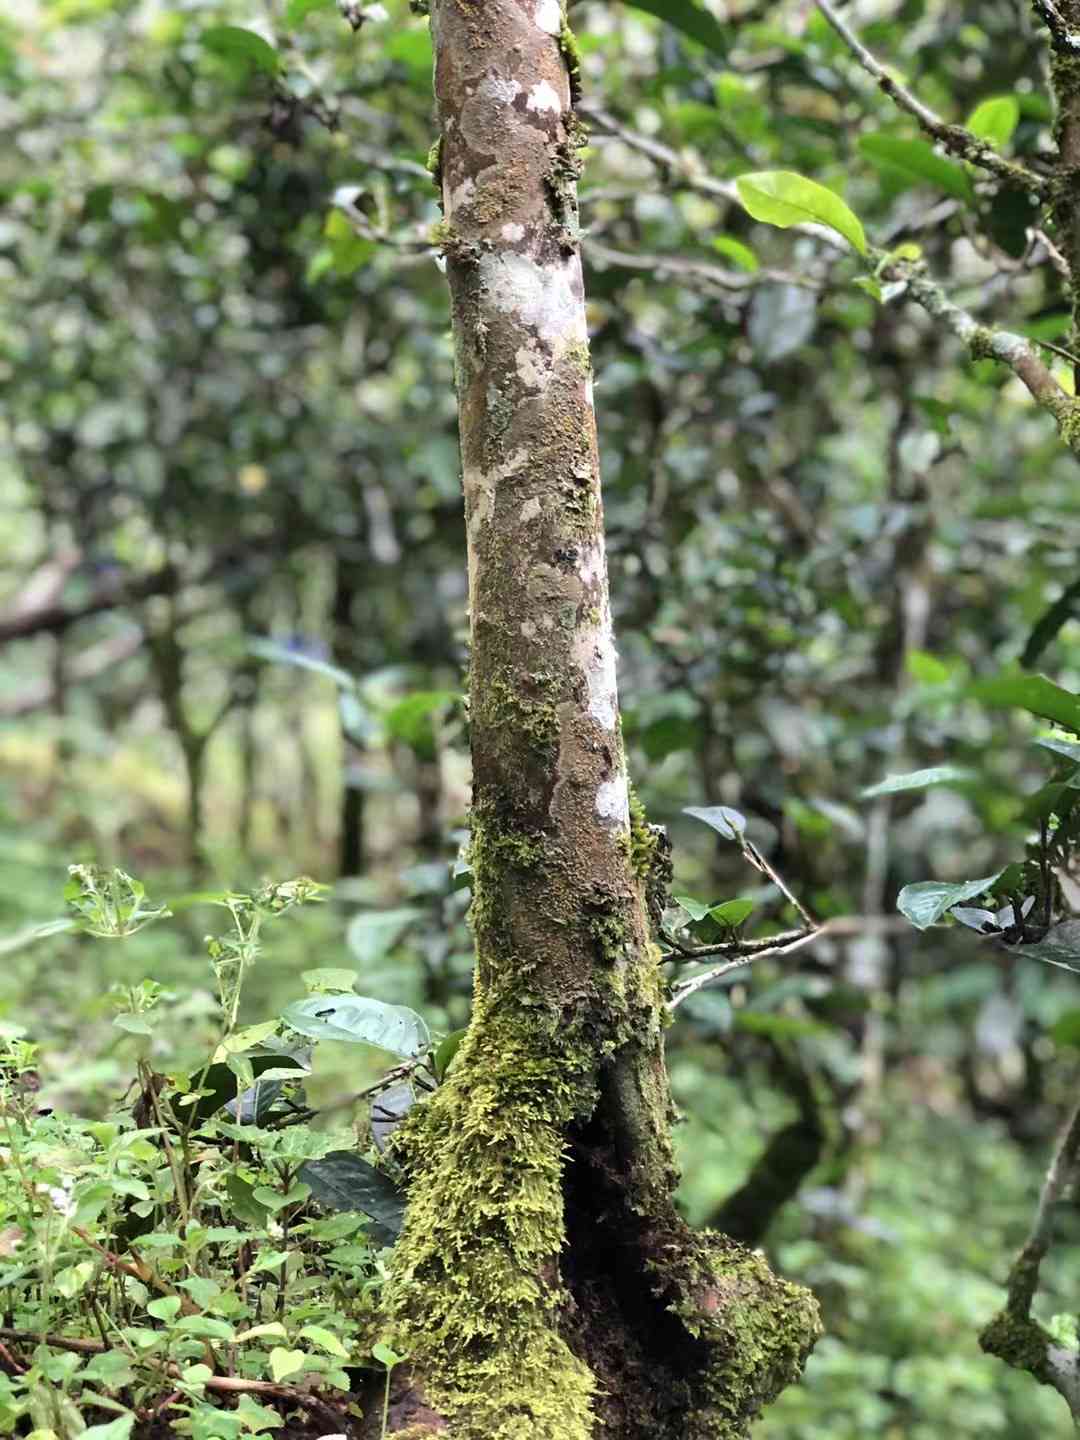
(545,1287)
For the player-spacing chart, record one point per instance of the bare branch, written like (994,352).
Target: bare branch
(955,138)
(684,267)
(685,988)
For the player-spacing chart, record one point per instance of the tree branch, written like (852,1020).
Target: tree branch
(955,138)
(1061,37)
(984,342)
(1014,1335)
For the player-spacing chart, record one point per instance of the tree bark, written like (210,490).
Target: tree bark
(545,1285)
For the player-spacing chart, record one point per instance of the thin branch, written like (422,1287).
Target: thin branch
(659,154)
(685,988)
(986,343)
(687,268)
(955,138)
(758,861)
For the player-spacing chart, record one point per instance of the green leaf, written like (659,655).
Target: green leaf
(221,1083)
(344,1180)
(926,902)
(1060,946)
(206,1327)
(297,11)
(1068,748)
(359,1020)
(689,18)
(920,780)
(118,1429)
(921,666)
(165,1308)
(1033,693)
(780,197)
(373,932)
(329,980)
(445,1052)
(917,162)
(285,1362)
(724,820)
(243,47)
(735,251)
(732,912)
(696,909)
(386,1356)
(995,120)
(325,1339)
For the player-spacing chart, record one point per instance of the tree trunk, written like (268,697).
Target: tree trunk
(545,1287)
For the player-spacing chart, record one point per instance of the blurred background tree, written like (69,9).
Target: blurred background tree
(233,585)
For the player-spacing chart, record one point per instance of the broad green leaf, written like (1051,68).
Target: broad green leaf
(1068,748)
(235,44)
(925,668)
(1033,693)
(445,1052)
(329,979)
(221,1082)
(920,780)
(732,912)
(724,820)
(1060,946)
(780,197)
(373,932)
(691,19)
(325,1339)
(297,11)
(344,1180)
(118,1429)
(995,120)
(360,1020)
(735,251)
(925,902)
(285,1362)
(917,162)
(206,1327)
(386,1356)
(696,909)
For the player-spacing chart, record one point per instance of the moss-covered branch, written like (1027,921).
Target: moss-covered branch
(1014,1335)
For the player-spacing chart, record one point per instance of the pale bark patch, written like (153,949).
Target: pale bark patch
(544,97)
(548,16)
(547,298)
(613,801)
(513,232)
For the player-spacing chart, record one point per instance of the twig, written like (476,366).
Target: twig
(758,861)
(955,138)
(659,154)
(685,988)
(683,266)
(1054,255)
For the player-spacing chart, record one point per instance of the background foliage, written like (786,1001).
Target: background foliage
(233,589)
